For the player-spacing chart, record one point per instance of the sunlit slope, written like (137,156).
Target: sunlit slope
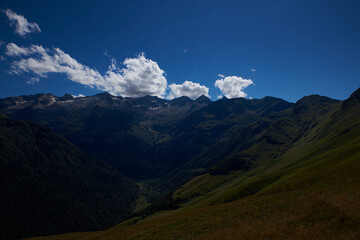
(310,191)
(324,157)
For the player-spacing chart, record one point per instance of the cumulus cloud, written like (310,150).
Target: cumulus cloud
(253,69)
(189,89)
(138,77)
(21,24)
(233,86)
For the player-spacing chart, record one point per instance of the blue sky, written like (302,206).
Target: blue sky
(286,49)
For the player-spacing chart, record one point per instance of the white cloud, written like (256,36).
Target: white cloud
(253,69)
(233,86)
(189,89)
(22,26)
(139,76)
(79,95)
(221,75)
(14,50)
(185,51)
(33,80)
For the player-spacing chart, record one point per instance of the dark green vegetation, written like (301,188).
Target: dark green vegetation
(230,169)
(49,186)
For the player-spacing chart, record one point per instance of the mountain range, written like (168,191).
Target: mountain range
(114,157)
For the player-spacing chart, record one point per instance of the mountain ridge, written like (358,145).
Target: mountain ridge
(291,173)
(242,146)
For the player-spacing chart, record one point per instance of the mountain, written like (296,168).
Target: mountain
(120,131)
(271,135)
(190,155)
(203,99)
(353,100)
(194,146)
(49,186)
(148,137)
(290,174)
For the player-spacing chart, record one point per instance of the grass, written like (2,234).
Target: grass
(291,215)
(318,201)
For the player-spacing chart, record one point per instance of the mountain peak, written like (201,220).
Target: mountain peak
(269,98)
(103,95)
(314,99)
(352,100)
(203,99)
(43,98)
(66,97)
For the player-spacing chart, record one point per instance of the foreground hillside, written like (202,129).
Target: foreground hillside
(291,215)
(309,190)
(49,186)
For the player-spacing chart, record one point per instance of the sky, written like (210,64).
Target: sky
(286,49)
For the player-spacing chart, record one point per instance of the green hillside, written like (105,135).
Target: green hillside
(307,188)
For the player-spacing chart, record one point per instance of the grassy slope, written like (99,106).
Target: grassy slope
(312,191)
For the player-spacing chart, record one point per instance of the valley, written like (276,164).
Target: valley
(198,164)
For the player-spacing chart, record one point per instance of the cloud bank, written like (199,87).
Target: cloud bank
(233,86)
(189,89)
(21,24)
(138,77)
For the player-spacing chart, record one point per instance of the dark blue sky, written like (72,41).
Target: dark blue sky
(297,47)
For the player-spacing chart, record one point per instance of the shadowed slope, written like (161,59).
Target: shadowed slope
(49,186)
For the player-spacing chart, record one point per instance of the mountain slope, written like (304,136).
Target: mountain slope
(49,186)
(122,132)
(309,191)
(200,133)
(270,144)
